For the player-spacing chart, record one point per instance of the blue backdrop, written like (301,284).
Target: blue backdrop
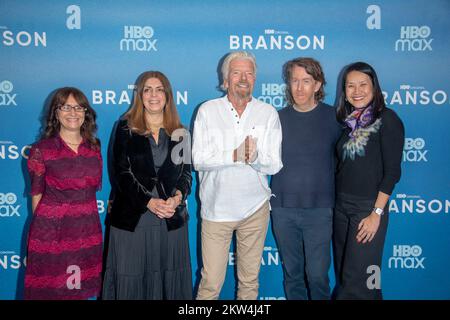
(102,46)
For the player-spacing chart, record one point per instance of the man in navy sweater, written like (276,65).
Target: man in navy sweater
(302,206)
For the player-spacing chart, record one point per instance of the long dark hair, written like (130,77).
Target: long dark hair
(88,129)
(135,115)
(344,108)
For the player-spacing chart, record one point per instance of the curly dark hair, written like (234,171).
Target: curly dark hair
(88,129)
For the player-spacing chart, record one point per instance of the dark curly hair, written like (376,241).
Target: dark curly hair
(88,129)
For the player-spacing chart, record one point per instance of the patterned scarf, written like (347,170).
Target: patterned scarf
(359,118)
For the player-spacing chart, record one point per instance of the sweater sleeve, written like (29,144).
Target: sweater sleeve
(392,139)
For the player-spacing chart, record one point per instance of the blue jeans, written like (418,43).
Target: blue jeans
(304,237)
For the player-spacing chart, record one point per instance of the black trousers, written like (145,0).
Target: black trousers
(354,262)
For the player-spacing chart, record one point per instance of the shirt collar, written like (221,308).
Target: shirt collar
(248,106)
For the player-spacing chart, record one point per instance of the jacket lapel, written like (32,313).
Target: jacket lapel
(143,146)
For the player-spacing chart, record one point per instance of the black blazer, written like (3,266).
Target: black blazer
(135,176)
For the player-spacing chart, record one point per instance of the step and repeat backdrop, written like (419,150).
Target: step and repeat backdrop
(102,46)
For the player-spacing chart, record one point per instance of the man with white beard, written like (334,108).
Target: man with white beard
(237,143)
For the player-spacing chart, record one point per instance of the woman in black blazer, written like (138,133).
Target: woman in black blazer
(148,252)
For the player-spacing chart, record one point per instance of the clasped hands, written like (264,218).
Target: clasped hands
(247,151)
(165,208)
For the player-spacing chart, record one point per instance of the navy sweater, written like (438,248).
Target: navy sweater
(307,177)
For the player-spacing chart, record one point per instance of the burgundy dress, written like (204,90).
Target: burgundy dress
(64,258)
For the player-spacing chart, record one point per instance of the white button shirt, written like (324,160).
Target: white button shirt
(232,191)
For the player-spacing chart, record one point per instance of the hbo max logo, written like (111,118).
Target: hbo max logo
(406,257)
(7,98)
(413,150)
(414,38)
(137,38)
(273,93)
(8,207)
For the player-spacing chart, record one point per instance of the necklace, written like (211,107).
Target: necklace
(154,128)
(71,143)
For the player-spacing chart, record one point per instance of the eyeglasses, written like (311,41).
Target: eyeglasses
(68,108)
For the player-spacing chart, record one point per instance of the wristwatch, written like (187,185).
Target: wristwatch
(378,211)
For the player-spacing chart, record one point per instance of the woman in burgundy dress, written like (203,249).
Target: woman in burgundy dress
(64,258)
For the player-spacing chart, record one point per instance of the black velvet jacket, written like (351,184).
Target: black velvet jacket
(135,176)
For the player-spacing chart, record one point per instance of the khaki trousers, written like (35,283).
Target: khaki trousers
(216,238)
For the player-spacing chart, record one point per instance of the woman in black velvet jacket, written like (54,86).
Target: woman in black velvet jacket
(136,177)
(148,252)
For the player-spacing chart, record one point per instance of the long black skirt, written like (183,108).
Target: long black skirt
(150,263)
